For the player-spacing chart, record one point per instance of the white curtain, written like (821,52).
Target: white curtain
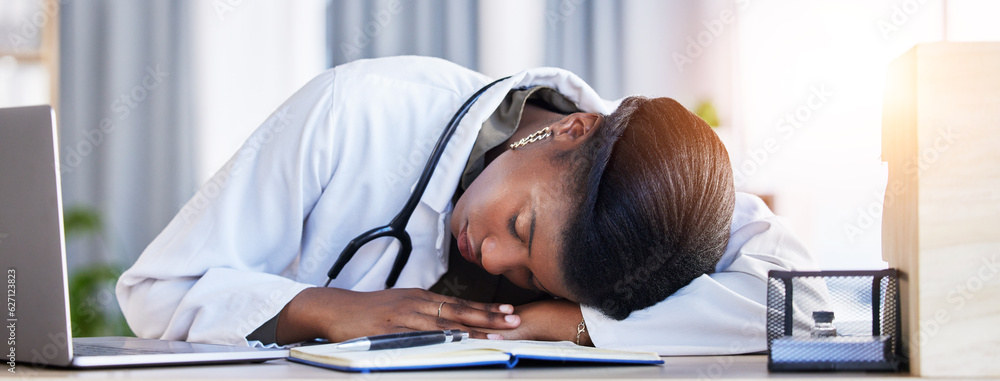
(126,136)
(585,37)
(439,28)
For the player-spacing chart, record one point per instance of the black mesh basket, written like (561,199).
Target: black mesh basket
(833,320)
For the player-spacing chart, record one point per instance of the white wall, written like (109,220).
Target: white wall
(823,165)
(251,56)
(511,36)
(972,20)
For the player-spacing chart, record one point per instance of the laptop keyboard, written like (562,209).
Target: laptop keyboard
(98,350)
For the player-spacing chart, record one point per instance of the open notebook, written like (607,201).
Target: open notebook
(470,352)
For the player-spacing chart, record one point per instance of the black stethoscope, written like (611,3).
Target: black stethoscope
(397,227)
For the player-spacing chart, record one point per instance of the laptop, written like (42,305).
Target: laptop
(33,260)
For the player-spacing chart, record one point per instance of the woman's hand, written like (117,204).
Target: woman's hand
(549,320)
(337,314)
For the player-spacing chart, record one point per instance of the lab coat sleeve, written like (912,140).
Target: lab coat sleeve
(721,313)
(213,275)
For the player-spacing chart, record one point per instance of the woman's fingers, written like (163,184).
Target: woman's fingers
(478,315)
(441,323)
(470,314)
(339,315)
(491,307)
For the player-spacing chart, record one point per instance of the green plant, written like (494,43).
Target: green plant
(81,221)
(92,304)
(706,110)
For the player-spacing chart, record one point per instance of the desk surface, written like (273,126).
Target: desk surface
(694,368)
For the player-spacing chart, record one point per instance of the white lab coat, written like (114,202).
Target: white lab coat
(340,157)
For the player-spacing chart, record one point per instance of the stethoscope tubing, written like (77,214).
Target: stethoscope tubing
(397,227)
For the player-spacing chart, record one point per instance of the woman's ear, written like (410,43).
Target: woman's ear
(577,125)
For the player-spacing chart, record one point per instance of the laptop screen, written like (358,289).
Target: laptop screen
(31,238)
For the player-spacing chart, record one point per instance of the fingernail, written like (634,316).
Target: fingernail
(510,318)
(494,336)
(506,308)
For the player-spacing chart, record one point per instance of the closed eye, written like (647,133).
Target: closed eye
(512,227)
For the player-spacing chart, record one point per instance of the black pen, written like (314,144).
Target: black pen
(402,340)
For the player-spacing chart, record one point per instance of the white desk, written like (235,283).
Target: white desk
(692,368)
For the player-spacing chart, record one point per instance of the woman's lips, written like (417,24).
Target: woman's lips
(464,245)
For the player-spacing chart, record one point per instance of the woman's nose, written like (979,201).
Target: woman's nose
(497,258)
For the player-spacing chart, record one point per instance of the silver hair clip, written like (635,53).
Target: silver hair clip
(536,136)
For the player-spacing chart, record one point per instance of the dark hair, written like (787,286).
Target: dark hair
(656,198)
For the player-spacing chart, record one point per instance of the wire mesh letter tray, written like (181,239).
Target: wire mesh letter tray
(833,320)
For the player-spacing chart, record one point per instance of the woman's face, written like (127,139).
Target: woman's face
(511,218)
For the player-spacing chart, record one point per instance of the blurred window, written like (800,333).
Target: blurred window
(29,52)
